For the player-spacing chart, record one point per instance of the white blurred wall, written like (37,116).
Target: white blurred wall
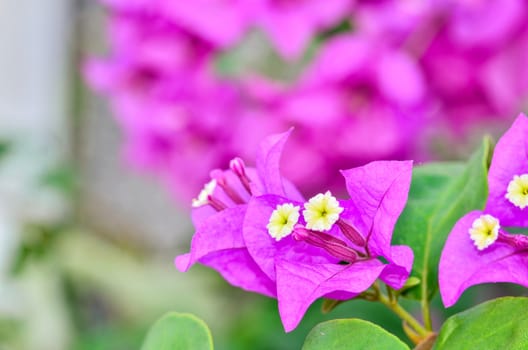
(34,64)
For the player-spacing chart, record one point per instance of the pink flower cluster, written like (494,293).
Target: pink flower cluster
(249,228)
(371,92)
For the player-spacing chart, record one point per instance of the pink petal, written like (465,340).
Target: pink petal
(289,31)
(238,268)
(400,78)
(220,231)
(268,166)
(509,158)
(218,243)
(379,190)
(486,23)
(220,22)
(339,58)
(300,284)
(397,271)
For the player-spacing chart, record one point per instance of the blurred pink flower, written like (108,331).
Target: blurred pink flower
(471,52)
(292,24)
(356,101)
(408,67)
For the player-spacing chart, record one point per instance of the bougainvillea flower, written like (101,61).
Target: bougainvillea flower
(339,257)
(292,24)
(350,88)
(218,215)
(483,43)
(218,21)
(478,250)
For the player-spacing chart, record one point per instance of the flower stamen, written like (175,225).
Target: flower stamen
(207,191)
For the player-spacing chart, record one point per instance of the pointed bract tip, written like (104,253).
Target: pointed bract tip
(183,262)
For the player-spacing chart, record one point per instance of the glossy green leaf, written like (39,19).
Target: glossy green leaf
(351,334)
(440,194)
(176,331)
(498,324)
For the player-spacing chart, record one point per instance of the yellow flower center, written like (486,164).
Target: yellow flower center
(484,231)
(282,220)
(321,212)
(517,192)
(204,193)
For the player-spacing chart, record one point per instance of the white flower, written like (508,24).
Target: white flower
(484,231)
(321,212)
(282,220)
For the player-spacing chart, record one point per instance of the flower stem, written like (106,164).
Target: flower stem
(403,314)
(426,314)
(393,305)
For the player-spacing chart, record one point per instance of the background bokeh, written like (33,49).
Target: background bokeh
(90,224)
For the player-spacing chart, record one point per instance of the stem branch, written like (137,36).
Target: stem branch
(426,314)
(404,315)
(393,305)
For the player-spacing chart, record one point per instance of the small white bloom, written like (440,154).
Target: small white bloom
(517,192)
(484,231)
(204,193)
(321,212)
(282,220)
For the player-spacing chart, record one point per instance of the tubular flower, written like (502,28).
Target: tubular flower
(517,191)
(321,212)
(484,231)
(478,250)
(282,220)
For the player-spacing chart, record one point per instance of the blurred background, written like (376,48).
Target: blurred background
(112,114)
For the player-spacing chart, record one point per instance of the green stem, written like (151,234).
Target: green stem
(400,311)
(390,294)
(426,314)
(404,315)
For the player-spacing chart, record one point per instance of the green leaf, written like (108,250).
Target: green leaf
(351,334)
(440,194)
(178,331)
(496,324)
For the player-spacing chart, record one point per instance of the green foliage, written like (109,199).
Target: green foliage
(440,194)
(259,326)
(109,337)
(498,324)
(62,178)
(351,334)
(176,331)
(38,241)
(4,148)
